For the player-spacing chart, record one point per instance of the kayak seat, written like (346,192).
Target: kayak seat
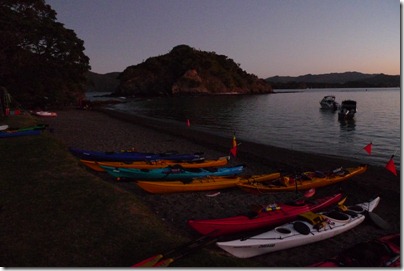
(351,213)
(337,215)
(195,170)
(211,169)
(176,166)
(319,174)
(305,177)
(251,214)
(296,202)
(301,228)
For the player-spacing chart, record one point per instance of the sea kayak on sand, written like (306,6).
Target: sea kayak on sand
(301,232)
(202,184)
(8,134)
(172,172)
(96,165)
(127,156)
(272,215)
(304,181)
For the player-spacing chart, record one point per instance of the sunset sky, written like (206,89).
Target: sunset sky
(266,37)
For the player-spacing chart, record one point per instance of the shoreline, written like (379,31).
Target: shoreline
(106,130)
(248,149)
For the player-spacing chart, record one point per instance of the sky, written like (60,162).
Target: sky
(265,37)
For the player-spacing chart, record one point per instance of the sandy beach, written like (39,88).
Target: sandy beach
(105,130)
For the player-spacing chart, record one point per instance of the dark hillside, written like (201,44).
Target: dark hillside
(187,71)
(335,80)
(102,82)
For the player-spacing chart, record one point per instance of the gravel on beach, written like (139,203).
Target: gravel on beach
(107,130)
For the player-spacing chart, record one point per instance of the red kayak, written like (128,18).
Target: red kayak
(382,252)
(271,215)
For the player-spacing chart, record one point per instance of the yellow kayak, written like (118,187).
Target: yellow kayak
(96,165)
(202,184)
(304,181)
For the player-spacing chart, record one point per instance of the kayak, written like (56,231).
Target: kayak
(201,184)
(127,156)
(3,127)
(45,114)
(304,181)
(308,228)
(172,172)
(96,165)
(381,252)
(271,215)
(8,134)
(36,127)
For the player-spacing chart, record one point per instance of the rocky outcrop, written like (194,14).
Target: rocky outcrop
(186,71)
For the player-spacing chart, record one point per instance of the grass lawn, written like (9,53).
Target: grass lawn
(54,213)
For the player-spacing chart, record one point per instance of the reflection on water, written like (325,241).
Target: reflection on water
(347,125)
(290,120)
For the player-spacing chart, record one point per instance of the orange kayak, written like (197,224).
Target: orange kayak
(96,165)
(304,181)
(202,184)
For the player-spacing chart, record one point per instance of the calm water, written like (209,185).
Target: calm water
(292,120)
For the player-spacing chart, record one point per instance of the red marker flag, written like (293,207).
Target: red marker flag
(368,148)
(233,150)
(188,123)
(390,166)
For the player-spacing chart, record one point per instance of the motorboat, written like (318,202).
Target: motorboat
(347,110)
(328,102)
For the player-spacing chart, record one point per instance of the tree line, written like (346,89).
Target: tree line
(42,63)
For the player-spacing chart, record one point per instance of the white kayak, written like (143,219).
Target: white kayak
(3,127)
(301,232)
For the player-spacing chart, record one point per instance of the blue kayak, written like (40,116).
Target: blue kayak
(129,156)
(172,172)
(8,134)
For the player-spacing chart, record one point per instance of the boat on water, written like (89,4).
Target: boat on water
(310,227)
(174,172)
(273,214)
(347,110)
(152,164)
(303,181)
(328,102)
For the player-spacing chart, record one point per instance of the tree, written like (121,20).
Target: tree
(41,62)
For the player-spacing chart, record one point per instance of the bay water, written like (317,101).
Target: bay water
(291,119)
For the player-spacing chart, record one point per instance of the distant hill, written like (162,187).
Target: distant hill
(102,82)
(187,71)
(334,80)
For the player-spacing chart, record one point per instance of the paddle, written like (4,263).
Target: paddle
(168,261)
(378,221)
(154,259)
(164,259)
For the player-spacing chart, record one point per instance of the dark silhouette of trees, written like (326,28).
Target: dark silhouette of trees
(41,62)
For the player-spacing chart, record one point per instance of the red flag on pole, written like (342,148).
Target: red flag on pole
(233,150)
(390,166)
(368,148)
(188,123)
